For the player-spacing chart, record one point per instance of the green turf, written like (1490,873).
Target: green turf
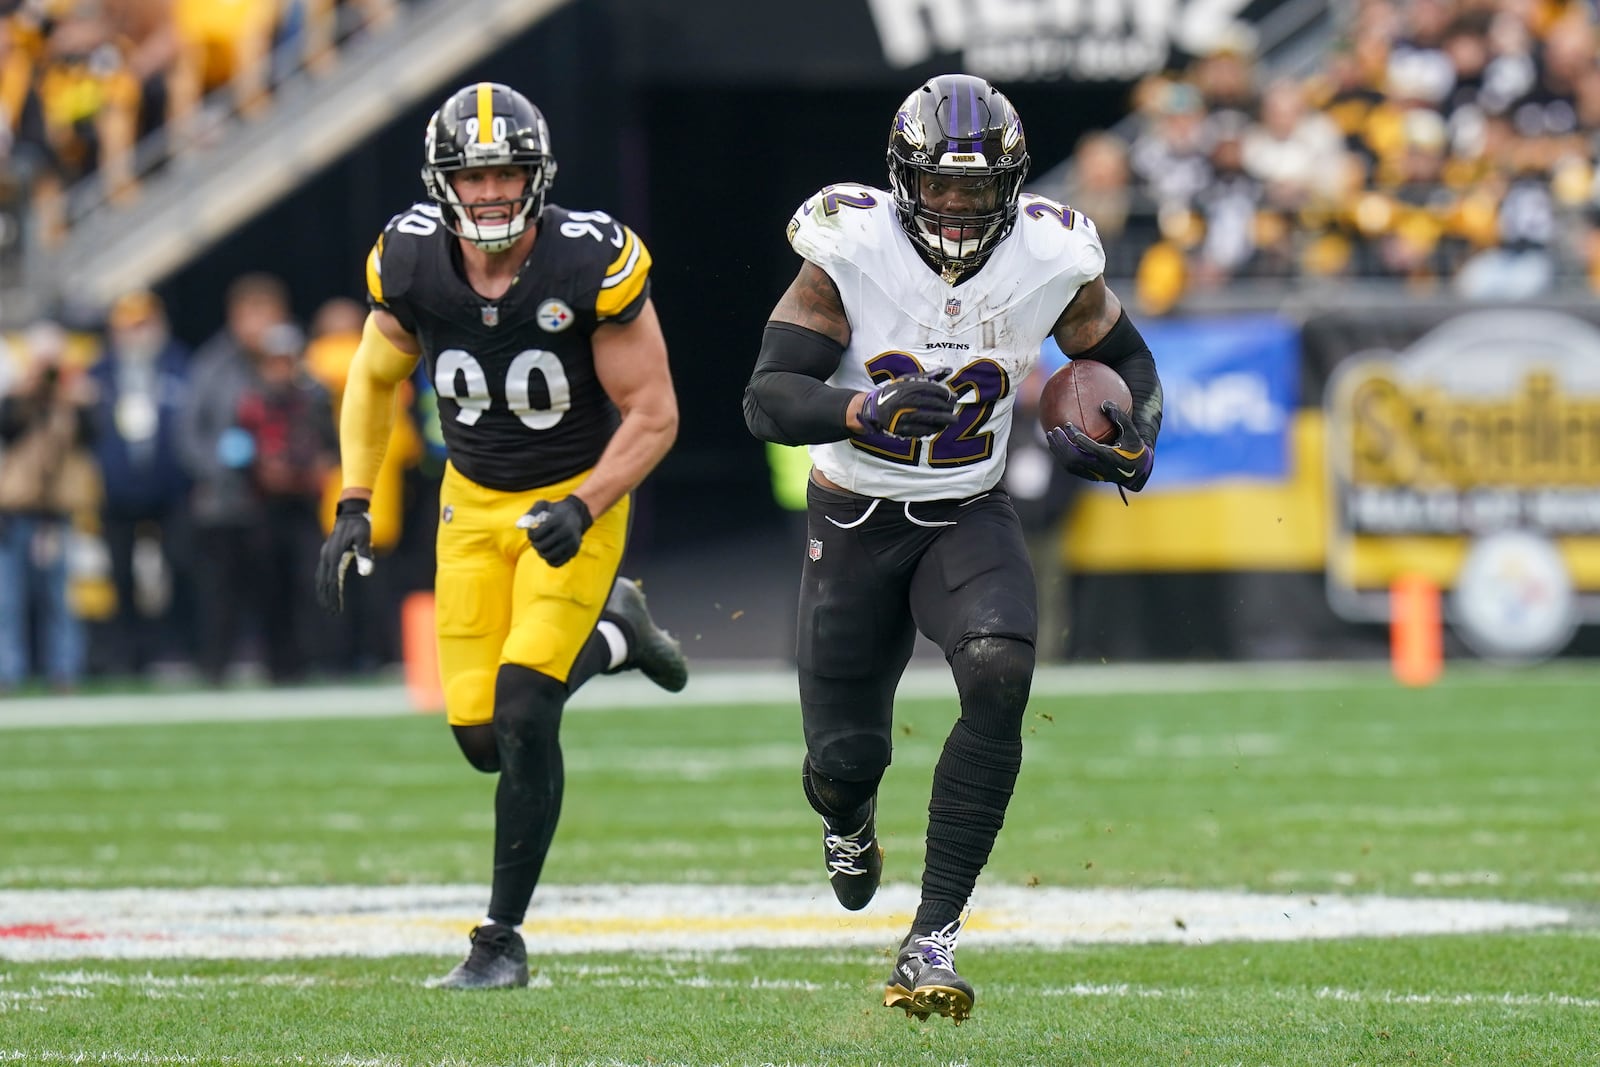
(1485,786)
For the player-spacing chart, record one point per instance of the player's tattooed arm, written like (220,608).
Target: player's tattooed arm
(1096,326)
(788,399)
(1088,318)
(813,301)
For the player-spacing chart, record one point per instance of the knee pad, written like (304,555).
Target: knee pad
(835,797)
(479,746)
(527,707)
(850,755)
(994,676)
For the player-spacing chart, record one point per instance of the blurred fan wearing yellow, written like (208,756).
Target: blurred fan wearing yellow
(335,333)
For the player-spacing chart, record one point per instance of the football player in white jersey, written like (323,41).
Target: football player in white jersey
(895,355)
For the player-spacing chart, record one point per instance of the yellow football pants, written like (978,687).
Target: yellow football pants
(498,601)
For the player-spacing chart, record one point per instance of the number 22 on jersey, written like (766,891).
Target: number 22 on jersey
(979,385)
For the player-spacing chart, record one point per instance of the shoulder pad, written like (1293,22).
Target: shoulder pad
(838,221)
(1054,233)
(609,252)
(391,265)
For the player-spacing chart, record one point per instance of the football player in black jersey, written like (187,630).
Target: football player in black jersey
(537,330)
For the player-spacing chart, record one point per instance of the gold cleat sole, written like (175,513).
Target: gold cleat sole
(942,1000)
(900,997)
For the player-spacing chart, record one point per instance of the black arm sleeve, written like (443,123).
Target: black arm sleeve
(787,401)
(1123,350)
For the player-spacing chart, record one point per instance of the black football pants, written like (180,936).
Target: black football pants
(878,571)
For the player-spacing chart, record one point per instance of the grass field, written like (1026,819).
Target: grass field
(1248,789)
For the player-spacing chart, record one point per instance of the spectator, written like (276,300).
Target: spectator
(141,390)
(336,331)
(1227,206)
(322,27)
(91,102)
(47,479)
(149,34)
(1226,77)
(293,448)
(374,605)
(223,46)
(1099,185)
(224,507)
(1169,157)
(1292,149)
(29,171)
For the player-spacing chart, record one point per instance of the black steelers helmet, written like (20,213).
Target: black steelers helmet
(488,124)
(957,125)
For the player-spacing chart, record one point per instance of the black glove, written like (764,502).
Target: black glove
(351,539)
(1125,460)
(556,530)
(912,405)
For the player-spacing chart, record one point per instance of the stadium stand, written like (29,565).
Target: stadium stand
(1445,146)
(191,104)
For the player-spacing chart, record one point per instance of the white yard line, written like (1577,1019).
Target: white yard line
(728,684)
(277,923)
(714,685)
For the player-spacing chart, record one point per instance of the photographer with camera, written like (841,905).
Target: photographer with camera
(47,478)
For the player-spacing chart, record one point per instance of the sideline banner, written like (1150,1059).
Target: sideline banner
(1231,387)
(836,42)
(1454,444)
(1470,457)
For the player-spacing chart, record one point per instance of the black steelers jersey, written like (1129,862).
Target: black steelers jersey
(519,401)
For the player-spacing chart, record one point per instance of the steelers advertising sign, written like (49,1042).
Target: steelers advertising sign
(1472,458)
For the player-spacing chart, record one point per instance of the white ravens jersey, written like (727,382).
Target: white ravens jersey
(905,318)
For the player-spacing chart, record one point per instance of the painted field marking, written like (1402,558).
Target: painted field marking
(726,686)
(298,922)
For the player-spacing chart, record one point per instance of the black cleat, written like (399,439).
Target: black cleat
(498,960)
(855,860)
(924,981)
(654,651)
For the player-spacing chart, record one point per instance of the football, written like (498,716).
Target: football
(1074,394)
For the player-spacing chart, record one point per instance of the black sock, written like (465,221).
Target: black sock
(594,658)
(972,786)
(527,802)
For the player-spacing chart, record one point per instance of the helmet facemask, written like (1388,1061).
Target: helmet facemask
(513,134)
(962,239)
(961,131)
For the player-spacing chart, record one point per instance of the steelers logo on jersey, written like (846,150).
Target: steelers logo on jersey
(554,316)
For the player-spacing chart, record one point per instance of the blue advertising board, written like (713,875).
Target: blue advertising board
(1231,385)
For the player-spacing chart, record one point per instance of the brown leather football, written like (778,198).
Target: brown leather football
(1074,394)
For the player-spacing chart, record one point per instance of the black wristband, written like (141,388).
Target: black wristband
(353,506)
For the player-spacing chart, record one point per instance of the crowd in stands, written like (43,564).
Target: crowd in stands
(111,88)
(161,509)
(1448,146)
(162,506)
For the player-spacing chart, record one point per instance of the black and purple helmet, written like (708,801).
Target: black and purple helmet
(957,125)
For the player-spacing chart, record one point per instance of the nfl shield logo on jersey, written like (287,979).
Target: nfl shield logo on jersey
(491,315)
(814,550)
(952,307)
